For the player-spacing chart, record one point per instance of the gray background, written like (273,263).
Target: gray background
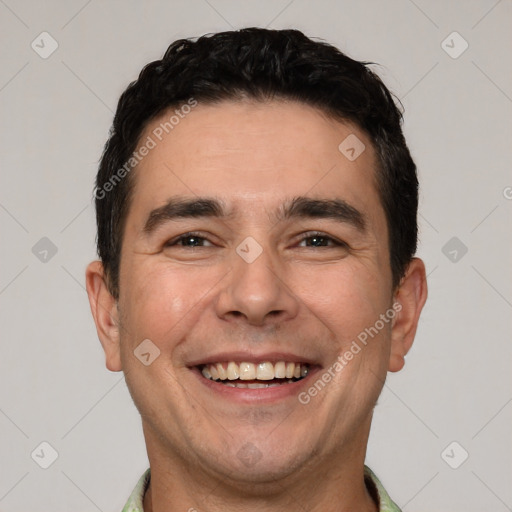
(56,112)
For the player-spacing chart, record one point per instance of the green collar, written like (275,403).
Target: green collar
(135,501)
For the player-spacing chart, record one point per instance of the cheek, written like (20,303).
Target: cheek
(347,299)
(162,301)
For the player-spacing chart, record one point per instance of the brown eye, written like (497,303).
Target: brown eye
(320,240)
(317,241)
(189,240)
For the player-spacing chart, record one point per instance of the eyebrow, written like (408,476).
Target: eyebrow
(180,208)
(298,207)
(336,209)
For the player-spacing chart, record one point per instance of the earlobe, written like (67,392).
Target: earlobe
(105,314)
(411,295)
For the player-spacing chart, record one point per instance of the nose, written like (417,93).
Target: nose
(257,292)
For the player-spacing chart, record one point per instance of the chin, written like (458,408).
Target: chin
(252,462)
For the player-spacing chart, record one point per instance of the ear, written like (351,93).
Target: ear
(105,313)
(409,300)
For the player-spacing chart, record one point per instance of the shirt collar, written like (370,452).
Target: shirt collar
(135,501)
(386,504)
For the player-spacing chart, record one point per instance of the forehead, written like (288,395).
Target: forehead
(249,152)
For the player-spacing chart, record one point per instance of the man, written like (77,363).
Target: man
(256,210)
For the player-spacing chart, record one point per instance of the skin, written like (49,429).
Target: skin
(213,452)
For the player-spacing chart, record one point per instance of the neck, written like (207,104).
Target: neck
(336,485)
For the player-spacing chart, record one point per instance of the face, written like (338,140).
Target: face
(256,252)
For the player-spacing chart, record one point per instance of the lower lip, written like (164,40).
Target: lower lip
(259,395)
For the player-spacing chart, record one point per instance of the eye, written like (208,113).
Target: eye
(189,240)
(320,240)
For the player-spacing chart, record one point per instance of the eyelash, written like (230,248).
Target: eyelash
(306,236)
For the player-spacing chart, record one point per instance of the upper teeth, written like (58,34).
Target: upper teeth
(251,371)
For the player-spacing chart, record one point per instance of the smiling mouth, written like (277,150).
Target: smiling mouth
(255,376)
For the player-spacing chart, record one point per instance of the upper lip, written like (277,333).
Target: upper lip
(252,357)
